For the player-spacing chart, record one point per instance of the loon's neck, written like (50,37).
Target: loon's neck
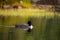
(31,27)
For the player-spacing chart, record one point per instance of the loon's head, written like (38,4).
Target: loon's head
(29,23)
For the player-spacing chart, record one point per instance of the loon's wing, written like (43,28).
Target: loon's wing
(22,26)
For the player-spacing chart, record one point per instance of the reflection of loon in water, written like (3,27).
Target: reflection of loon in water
(28,27)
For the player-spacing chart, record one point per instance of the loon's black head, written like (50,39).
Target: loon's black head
(29,23)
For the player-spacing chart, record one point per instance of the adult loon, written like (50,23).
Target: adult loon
(28,27)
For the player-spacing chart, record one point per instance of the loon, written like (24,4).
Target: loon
(28,27)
